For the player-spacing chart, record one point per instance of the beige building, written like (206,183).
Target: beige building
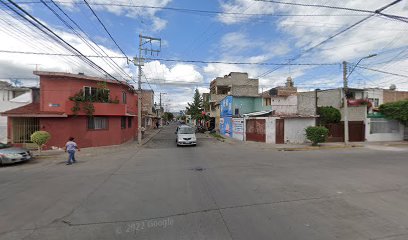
(234,84)
(148,110)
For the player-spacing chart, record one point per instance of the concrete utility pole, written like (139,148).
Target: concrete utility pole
(345,89)
(160,104)
(139,61)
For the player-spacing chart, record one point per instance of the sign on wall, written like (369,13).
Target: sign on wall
(226,127)
(238,128)
(226,106)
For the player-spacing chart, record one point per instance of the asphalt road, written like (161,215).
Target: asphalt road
(217,190)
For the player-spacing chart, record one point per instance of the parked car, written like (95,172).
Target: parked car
(9,154)
(186,136)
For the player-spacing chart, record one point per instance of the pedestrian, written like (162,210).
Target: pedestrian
(157,124)
(70,148)
(143,129)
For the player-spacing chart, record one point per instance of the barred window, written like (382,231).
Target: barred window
(382,125)
(97,123)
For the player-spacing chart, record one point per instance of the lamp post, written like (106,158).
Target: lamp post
(345,89)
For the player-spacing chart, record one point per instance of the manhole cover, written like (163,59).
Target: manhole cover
(198,169)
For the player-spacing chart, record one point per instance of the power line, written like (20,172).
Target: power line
(103,25)
(174,60)
(331,37)
(82,38)
(200,11)
(46,30)
(381,71)
(378,11)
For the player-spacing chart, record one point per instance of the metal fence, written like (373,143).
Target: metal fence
(23,128)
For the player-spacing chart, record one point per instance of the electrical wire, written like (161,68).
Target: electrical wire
(378,11)
(104,27)
(114,67)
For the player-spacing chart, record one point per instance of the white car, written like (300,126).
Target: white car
(186,135)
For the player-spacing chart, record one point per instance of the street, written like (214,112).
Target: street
(216,190)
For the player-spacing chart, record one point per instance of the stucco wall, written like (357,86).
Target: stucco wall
(270,125)
(355,113)
(63,128)
(57,90)
(306,103)
(295,129)
(393,96)
(329,98)
(244,104)
(378,137)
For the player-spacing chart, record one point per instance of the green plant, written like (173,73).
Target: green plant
(101,95)
(396,110)
(317,134)
(40,138)
(329,115)
(89,108)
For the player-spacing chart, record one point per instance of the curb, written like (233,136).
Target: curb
(312,148)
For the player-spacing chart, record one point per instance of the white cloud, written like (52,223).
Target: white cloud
(20,37)
(376,35)
(127,8)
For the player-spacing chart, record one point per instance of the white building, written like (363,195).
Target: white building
(10,98)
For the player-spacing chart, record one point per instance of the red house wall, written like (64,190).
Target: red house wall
(63,128)
(56,90)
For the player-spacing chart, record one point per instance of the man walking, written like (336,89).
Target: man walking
(71,148)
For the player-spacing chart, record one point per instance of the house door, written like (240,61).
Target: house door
(255,130)
(280,131)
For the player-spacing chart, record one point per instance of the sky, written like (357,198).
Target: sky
(197,35)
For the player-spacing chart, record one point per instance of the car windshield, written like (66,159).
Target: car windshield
(186,130)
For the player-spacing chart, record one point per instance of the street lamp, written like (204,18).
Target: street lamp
(345,88)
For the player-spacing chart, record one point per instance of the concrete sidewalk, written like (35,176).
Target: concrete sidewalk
(397,145)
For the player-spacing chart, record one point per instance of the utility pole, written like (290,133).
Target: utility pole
(139,61)
(161,98)
(345,89)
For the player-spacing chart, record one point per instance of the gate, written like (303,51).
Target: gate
(23,128)
(280,131)
(356,131)
(255,130)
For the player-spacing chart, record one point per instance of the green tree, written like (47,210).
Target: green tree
(40,138)
(396,110)
(328,115)
(317,134)
(168,116)
(195,108)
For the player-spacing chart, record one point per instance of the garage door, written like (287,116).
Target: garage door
(255,130)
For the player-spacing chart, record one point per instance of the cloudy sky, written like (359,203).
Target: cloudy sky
(197,35)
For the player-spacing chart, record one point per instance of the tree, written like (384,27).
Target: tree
(168,116)
(195,108)
(40,138)
(329,115)
(396,110)
(317,134)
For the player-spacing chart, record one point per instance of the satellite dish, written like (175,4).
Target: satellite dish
(393,87)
